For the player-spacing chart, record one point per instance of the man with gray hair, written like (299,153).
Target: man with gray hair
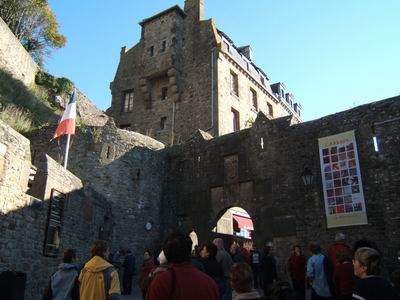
(225,260)
(340,245)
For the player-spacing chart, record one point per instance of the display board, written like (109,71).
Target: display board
(341,180)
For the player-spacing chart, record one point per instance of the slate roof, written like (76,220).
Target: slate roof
(238,50)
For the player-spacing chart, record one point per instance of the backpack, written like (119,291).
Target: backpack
(107,280)
(74,292)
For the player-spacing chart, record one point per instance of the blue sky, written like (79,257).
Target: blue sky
(332,55)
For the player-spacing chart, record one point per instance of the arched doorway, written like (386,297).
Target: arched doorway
(235,221)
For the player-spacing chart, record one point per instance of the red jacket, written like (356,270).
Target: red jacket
(189,284)
(147,267)
(344,279)
(338,247)
(297,267)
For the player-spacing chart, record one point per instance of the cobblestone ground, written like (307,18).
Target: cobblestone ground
(135,294)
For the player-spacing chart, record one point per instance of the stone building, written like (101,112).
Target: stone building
(129,189)
(260,170)
(185,74)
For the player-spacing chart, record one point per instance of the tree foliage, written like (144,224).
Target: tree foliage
(34,24)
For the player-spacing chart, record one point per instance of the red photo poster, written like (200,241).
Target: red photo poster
(341,179)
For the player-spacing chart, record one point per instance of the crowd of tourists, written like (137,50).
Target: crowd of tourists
(209,272)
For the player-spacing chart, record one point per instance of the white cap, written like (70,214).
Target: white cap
(161,258)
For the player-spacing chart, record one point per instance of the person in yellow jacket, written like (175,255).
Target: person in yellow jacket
(98,279)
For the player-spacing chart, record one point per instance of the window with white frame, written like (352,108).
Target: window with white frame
(127,105)
(234,84)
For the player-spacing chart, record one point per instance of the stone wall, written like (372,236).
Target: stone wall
(88,113)
(14,58)
(125,167)
(23,217)
(259,169)
(127,180)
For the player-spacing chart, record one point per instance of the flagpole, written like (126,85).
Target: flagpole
(66,151)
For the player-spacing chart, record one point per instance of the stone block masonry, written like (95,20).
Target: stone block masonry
(128,169)
(179,78)
(14,58)
(127,179)
(259,169)
(23,217)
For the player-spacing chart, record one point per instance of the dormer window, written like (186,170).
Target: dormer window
(226,46)
(262,80)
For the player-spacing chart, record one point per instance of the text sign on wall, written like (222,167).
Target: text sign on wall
(341,179)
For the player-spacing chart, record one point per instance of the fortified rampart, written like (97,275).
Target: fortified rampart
(119,181)
(14,58)
(24,213)
(127,180)
(259,169)
(126,168)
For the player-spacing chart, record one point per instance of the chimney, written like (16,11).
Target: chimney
(195,9)
(246,51)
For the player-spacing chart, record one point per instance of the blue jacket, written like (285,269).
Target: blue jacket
(315,271)
(64,283)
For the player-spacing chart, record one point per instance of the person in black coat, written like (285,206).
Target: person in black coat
(268,270)
(212,267)
(371,286)
(129,271)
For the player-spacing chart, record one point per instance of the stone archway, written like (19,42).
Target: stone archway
(234,221)
(234,225)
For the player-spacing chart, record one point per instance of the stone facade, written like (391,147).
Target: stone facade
(119,180)
(14,58)
(124,167)
(24,212)
(259,169)
(179,80)
(127,180)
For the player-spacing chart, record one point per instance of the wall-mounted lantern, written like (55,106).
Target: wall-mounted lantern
(307,177)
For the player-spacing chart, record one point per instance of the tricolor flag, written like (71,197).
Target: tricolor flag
(67,123)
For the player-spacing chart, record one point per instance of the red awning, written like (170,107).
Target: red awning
(244,222)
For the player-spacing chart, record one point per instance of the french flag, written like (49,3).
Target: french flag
(67,123)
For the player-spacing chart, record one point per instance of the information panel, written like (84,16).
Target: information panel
(341,179)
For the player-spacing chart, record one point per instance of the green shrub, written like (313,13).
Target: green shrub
(53,84)
(34,100)
(64,85)
(17,118)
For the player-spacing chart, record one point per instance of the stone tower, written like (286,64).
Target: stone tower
(195,9)
(184,74)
